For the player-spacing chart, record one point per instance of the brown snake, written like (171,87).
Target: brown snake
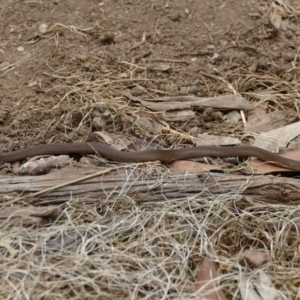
(151,154)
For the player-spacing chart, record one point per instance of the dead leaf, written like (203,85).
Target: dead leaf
(179,115)
(278,138)
(265,122)
(259,110)
(276,18)
(255,258)
(148,126)
(143,124)
(118,141)
(280,9)
(261,167)
(252,52)
(207,285)
(284,6)
(158,67)
(258,287)
(233,117)
(254,116)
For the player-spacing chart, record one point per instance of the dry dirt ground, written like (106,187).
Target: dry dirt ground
(71,68)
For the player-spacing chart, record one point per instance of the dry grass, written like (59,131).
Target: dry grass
(127,250)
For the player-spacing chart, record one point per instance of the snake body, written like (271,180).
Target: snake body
(151,154)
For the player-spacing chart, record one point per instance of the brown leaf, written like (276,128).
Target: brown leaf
(207,285)
(261,167)
(255,258)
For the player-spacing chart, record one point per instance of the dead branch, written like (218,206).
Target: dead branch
(152,183)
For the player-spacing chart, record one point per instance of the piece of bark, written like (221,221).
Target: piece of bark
(207,139)
(188,166)
(179,115)
(225,102)
(147,184)
(44,165)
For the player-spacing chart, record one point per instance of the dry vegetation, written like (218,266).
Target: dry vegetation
(66,87)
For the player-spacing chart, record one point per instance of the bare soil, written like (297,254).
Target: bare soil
(110,43)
